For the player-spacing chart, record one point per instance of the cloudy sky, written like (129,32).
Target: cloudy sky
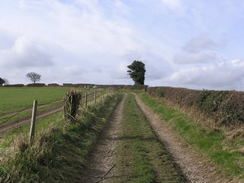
(187,43)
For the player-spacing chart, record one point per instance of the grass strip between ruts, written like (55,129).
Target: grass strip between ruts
(141,157)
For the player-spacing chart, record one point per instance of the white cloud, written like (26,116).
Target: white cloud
(196,58)
(93,41)
(173,4)
(221,75)
(25,53)
(199,50)
(76,34)
(201,43)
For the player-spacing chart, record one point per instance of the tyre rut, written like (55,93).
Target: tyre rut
(101,163)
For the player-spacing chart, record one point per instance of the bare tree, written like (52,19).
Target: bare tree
(34,77)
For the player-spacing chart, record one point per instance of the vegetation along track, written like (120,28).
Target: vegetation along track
(196,168)
(129,151)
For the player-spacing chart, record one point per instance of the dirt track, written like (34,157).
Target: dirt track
(197,168)
(101,164)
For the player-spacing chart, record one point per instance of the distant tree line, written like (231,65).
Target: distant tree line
(136,71)
(32,76)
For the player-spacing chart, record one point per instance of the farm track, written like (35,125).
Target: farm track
(102,158)
(104,166)
(196,167)
(14,125)
(27,109)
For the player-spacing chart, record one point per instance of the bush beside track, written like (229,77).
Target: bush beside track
(226,107)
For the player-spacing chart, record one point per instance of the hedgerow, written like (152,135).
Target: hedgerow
(226,107)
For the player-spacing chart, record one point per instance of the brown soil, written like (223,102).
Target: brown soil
(11,126)
(198,169)
(101,164)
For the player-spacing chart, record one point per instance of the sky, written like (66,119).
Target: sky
(183,43)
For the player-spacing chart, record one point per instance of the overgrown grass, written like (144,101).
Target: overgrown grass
(212,144)
(14,99)
(60,154)
(7,139)
(141,157)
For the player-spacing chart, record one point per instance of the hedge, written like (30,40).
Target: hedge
(226,107)
(15,85)
(53,84)
(36,85)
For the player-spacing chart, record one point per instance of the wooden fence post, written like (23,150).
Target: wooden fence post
(33,121)
(86,99)
(95,97)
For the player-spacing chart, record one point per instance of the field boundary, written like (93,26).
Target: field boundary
(11,114)
(85,101)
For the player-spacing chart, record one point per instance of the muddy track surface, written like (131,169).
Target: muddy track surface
(27,109)
(196,167)
(15,125)
(102,165)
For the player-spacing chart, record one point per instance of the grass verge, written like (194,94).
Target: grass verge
(141,157)
(60,154)
(8,138)
(214,145)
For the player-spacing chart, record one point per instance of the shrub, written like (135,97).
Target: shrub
(226,107)
(36,85)
(71,105)
(53,84)
(210,101)
(15,85)
(67,84)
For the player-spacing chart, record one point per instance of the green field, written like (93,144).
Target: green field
(7,138)
(15,99)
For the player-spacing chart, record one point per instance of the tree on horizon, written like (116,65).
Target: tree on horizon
(137,72)
(34,77)
(2,81)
